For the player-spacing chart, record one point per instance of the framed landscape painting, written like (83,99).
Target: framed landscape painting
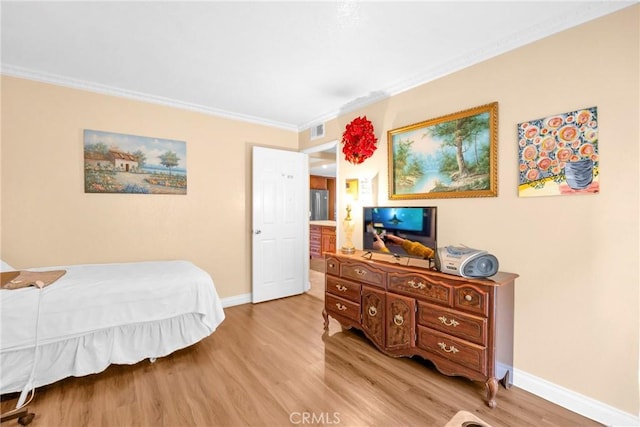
(451,156)
(119,163)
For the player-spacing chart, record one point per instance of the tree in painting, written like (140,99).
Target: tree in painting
(462,135)
(98,147)
(141,157)
(169,160)
(407,166)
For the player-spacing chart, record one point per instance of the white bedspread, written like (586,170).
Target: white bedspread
(169,304)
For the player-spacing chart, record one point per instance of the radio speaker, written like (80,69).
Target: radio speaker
(482,266)
(466,262)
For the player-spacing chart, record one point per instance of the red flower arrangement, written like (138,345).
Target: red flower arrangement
(359,140)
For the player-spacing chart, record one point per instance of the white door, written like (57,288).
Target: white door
(280,223)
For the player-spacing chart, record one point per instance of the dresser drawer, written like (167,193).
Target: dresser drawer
(361,272)
(332,266)
(342,307)
(462,352)
(466,326)
(420,287)
(472,298)
(343,288)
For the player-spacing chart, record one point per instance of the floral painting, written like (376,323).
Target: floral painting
(119,163)
(559,154)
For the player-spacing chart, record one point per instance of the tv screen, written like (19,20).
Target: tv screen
(400,231)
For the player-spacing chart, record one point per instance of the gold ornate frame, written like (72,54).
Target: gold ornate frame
(450,156)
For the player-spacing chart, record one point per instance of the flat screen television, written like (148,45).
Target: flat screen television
(388,223)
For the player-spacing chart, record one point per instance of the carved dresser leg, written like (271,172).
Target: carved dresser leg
(325,316)
(492,391)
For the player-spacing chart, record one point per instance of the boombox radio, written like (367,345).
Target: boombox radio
(466,262)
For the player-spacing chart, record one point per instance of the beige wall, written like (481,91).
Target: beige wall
(576,314)
(47,219)
(577,298)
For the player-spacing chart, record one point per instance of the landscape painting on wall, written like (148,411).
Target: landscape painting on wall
(119,163)
(451,156)
(558,154)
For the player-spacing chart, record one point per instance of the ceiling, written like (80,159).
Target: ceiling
(288,64)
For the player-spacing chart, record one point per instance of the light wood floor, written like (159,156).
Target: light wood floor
(272,364)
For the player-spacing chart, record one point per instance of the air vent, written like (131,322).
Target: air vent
(317,131)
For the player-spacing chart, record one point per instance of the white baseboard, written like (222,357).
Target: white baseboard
(580,404)
(246,298)
(236,300)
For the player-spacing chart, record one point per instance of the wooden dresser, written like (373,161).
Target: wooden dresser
(464,326)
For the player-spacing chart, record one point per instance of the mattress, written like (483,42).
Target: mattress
(99,314)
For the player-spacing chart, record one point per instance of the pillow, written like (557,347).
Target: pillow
(5,266)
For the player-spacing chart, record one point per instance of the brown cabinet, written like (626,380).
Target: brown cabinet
(317,182)
(331,186)
(328,237)
(322,238)
(464,326)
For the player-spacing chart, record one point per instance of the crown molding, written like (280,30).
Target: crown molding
(24,73)
(583,13)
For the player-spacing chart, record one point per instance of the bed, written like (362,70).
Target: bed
(101,314)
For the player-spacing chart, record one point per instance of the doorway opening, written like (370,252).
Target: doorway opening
(323,173)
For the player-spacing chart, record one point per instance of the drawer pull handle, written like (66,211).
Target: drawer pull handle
(373,311)
(330,265)
(398,320)
(415,285)
(468,297)
(341,288)
(360,272)
(451,349)
(448,322)
(341,307)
